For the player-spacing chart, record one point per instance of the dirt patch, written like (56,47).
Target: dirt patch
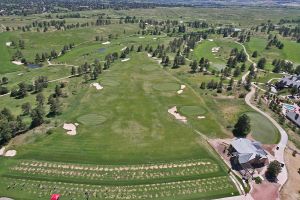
(126,59)
(10,153)
(173,111)
(2,151)
(97,86)
(265,191)
(71,129)
(17,62)
(291,189)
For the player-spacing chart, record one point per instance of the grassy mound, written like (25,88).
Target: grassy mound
(167,87)
(262,129)
(91,119)
(192,110)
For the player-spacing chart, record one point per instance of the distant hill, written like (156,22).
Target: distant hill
(229,2)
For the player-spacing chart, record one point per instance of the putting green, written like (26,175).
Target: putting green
(167,87)
(91,119)
(192,110)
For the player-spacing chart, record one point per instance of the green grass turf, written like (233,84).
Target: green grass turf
(289,52)
(218,60)
(262,129)
(138,128)
(91,119)
(5,54)
(192,110)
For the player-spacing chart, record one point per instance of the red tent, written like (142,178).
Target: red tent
(55,197)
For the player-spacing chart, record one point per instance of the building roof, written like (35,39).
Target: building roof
(248,150)
(291,81)
(294,117)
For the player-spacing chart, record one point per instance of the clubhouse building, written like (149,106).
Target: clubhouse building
(247,153)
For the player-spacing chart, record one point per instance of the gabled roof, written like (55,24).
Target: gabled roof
(248,150)
(294,117)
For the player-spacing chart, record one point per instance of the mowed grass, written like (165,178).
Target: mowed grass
(262,129)
(138,127)
(5,55)
(218,60)
(289,52)
(137,130)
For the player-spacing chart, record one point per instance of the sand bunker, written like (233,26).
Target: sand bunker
(182,87)
(126,59)
(211,40)
(97,86)
(8,44)
(141,37)
(201,117)
(10,153)
(154,38)
(123,49)
(191,50)
(2,151)
(71,129)
(5,198)
(173,111)
(149,55)
(17,62)
(215,49)
(108,42)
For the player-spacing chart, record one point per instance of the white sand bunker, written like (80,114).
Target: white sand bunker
(8,44)
(2,151)
(126,59)
(71,128)
(191,50)
(155,38)
(141,37)
(5,198)
(10,153)
(211,40)
(108,42)
(201,117)
(182,87)
(97,86)
(215,49)
(123,49)
(173,111)
(149,55)
(17,62)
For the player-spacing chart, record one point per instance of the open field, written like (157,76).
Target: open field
(129,129)
(128,146)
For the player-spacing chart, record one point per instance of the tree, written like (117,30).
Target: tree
(294,90)
(255,54)
(58,91)
(273,170)
(4,80)
(202,86)
(73,71)
(55,106)
(261,63)
(297,70)
(40,99)
(194,66)
(242,128)
(37,116)
(22,92)
(26,108)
